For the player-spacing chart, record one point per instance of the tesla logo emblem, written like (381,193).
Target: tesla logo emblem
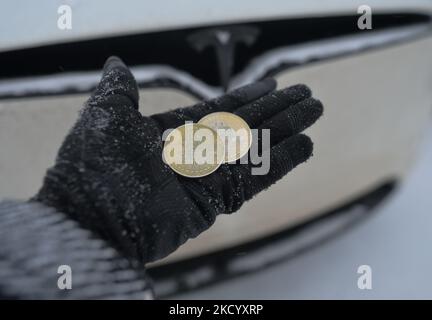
(224,41)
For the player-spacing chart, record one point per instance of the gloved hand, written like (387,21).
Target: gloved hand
(109,173)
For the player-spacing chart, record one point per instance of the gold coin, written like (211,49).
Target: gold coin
(193,150)
(233,130)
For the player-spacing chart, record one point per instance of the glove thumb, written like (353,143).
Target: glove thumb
(116,79)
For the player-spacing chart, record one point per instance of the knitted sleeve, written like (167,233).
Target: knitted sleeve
(45,255)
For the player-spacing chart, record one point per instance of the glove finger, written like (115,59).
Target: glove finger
(116,81)
(240,183)
(258,111)
(292,120)
(228,102)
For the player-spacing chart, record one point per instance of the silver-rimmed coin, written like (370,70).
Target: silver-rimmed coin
(233,130)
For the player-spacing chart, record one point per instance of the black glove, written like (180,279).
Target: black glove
(109,173)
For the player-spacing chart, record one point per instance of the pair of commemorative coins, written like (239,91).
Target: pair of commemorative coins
(197,149)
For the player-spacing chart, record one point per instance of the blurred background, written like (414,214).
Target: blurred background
(361,200)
